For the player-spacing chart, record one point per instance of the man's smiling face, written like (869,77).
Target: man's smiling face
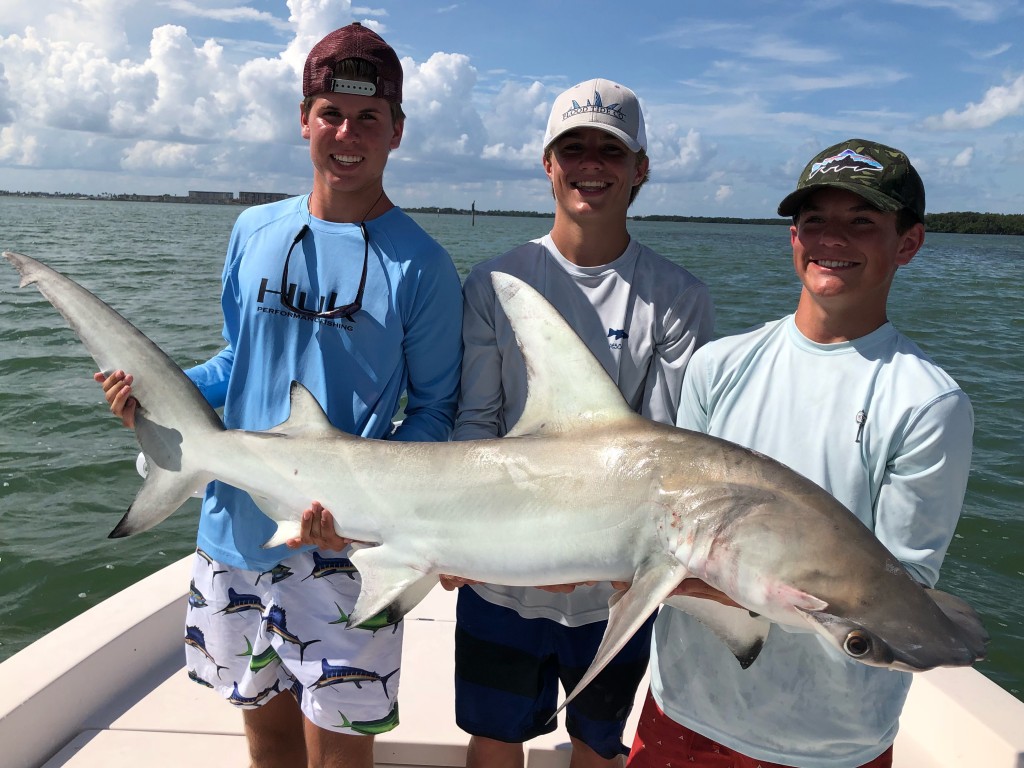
(591,170)
(846,251)
(350,137)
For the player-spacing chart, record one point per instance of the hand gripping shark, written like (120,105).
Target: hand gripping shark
(582,489)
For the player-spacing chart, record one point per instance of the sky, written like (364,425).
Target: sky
(167,96)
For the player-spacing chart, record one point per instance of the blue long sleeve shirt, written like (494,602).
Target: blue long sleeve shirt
(405,340)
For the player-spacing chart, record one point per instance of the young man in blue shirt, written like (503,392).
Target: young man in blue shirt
(340,290)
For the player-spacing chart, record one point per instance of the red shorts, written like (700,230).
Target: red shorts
(672,744)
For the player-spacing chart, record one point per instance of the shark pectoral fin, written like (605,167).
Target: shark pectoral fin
(388,585)
(162,492)
(412,596)
(743,633)
(286,529)
(629,609)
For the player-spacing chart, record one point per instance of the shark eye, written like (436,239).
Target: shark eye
(857,644)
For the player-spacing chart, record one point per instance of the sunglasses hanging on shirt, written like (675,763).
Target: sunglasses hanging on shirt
(349,309)
(345,311)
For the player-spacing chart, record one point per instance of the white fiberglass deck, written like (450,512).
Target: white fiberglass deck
(108,690)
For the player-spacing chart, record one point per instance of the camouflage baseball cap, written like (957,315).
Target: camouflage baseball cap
(881,175)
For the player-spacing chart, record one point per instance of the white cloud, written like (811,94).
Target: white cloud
(679,156)
(998,103)
(723,193)
(517,117)
(992,53)
(100,23)
(972,10)
(17,148)
(189,79)
(963,159)
(746,40)
(6,101)
(438,99)
(232,14)
(159,156)
(189,94)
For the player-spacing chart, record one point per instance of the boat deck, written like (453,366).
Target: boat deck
(108,690)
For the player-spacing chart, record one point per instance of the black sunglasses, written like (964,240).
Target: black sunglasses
(346,311)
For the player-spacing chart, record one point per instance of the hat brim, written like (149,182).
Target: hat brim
(625,138)
(790,205)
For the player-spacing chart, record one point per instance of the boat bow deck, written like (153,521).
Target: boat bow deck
(108,690)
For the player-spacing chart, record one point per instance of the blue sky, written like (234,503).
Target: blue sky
(164,96)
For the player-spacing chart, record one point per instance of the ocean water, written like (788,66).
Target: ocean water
(67,467)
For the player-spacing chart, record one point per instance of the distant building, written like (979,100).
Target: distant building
(259,198)
(151,198)
(210,197)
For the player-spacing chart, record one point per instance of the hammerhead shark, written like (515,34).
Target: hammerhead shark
(581,489)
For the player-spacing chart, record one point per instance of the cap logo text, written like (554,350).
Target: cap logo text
(597,107)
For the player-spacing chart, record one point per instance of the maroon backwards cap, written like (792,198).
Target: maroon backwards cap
(353,42)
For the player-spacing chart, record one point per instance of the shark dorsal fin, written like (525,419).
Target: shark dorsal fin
(306,417)
(567,388)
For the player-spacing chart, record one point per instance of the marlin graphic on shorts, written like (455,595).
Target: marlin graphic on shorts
(194,637)
(328,566)
(195,678)
(295,688)
(260,660)
(195,597)
(371,727)
(337,675)
(276,624)
(239,603)
(278,573)
(374,623)
(209,561)
(245,701)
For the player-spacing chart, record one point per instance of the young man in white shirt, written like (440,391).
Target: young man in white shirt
(642,316)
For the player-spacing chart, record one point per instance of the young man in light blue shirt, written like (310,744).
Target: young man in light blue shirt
(340,290)
(838,394)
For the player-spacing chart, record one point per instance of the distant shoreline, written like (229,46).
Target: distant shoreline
(953,222)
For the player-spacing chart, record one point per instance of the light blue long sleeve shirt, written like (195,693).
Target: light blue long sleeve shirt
(888,433)
(406,340)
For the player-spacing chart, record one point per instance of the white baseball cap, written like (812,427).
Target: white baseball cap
(599,104)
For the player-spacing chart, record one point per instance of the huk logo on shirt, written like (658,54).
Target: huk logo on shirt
(323,305)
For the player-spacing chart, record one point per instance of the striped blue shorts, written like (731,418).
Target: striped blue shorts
(508,670)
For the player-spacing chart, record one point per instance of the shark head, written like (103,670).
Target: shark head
(936,630)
